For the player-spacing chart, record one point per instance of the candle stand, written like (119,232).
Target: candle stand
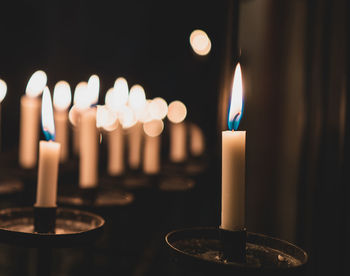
(199,251)
(74,228)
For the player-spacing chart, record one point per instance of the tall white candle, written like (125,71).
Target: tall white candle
(233,163)
(177,131)
(29,120)
(116,151)
(151,153)
(49,153)
(61,100)
(88,167)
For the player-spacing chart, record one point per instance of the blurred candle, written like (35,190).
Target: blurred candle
(49,154)
(176,114)
(29,120)
(233,162)
(137,102)
(62,98)
(151,153)
(3,90)
(88,145)
(197,142)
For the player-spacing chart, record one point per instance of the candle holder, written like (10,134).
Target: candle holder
(199,251)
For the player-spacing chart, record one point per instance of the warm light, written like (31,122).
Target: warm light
(158,108)
(3,90)
(62,95)
(93,87)
(47,115)
(81,96)
(115,100)
(105,118)
(177,112)
(236,105)
(36,84)
(137,97)
(73,115)
(153,128)
(200,42)
(121,90)
(127,117)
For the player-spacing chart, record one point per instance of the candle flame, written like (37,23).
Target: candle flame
(36,84)
(105,118)
(236,104)
(81,99)
(153,128)
(121,91)
(3,90)
(127,117)
(47,116)
(93,87)
(177,112)
(158,108)
(200,42)
(137,97)
(62,95)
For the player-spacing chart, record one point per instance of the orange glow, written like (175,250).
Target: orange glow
(36,84)
(200,42)
(3,90)
(47,113)
(153,128)
(177,112)
(62,96)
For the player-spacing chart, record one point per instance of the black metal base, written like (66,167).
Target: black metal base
(234,245)
(199,251)
(44,219)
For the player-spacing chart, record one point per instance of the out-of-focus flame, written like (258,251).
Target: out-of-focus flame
(62,96)
(158,108)
(127,117)
(177,112)
(81,96)
(114,100)
(36,84)
(236,104)
(153,128)
(137,97)
(47,115)
(105,118)
(93,87)
(121,91)
(200,42)
(3,90)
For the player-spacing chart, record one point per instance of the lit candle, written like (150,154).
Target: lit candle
(88,144)
(61,100)
(29,120)
(3,90)
(49,154)
(137,102)
(176,114)
(151,153)
(233,163)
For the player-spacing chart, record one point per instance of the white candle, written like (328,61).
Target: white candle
(29,120)
(176,114)
(233,163)
(88,167)
(151,153)
(197,142)
(116,151)
(61,100)
(49,153)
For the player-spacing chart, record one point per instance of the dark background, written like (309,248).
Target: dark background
(295,64)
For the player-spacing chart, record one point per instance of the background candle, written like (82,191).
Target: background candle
(116,151)
(88,166)
(151,153)
(49,154)
(233,163)
(29,120)
(176,114)
(61,100)
(3,90)
(197,142)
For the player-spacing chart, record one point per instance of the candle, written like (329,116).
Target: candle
(29,120)
(176,114)
(197,142)
(88,144)
(49,153)
(137,102)
(61,100)
(233,163)
(151,154)
(3,90)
